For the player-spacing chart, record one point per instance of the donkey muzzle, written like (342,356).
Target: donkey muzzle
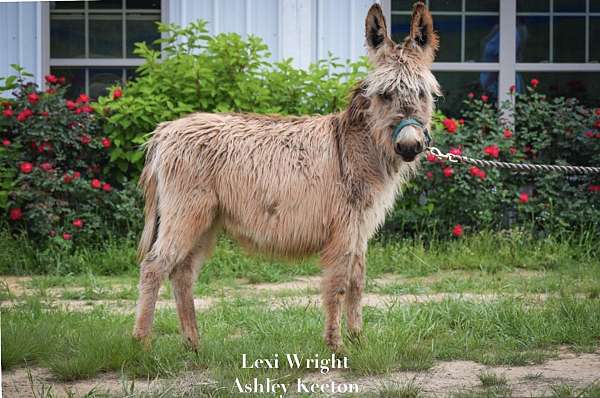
(410,142)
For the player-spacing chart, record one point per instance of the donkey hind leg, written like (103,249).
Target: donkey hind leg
(183,278)
(354,296)
(177,238)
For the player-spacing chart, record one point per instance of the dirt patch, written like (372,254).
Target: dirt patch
(15,284)
(576,370)
(445,378)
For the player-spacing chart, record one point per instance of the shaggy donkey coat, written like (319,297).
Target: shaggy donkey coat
(289,186)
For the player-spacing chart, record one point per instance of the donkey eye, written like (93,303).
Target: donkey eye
(386,97)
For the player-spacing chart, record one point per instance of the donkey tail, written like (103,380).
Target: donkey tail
(148,183)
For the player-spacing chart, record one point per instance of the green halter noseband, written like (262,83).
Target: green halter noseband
(411,122)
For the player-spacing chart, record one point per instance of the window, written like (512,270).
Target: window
(469,34)
(92,43)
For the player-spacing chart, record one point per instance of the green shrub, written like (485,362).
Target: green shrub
(54,152)
(224,73)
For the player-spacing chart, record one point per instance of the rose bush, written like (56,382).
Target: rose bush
(552,131)
(53,157)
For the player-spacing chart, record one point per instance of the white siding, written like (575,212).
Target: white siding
(20,43)
(305,30)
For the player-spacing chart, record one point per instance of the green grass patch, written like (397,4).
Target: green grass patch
(75,345)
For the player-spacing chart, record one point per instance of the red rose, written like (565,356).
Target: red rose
(457,231)
(24,114)
(61,80)
(96,184)
(589,134)
(485,98)
(471,95)
(106,187)
(6,142)
(117,93)
(76,174)
(7,112)
(450,125)
(46,166)
(43,114)
(85,109)
(534,83)
(597,124)
(594,188)
(67,178)
(492,150)
(106,142)
(51,79)
(477,172)
(50,91)
(597,112)
(83,98)
(448,171)
(26,167)
(78,223)
(455,151)
(85,139)
(70,105)
(16,214)
(507,133)
(461,121)
(431,158)
(429,175)
(523,197)
(33,98)
(513,150)
(512,89)
(67,236)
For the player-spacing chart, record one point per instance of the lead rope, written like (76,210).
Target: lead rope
(512,166)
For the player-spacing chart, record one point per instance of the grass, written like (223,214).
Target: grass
(490,379)
(76,345)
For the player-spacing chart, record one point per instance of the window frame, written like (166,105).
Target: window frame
(507,65)
(89,63)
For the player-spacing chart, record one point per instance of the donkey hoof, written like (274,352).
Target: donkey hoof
(191,344)
(144,341)
(335,344)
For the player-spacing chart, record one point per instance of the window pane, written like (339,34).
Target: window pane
(106,4)
(582,85)
(130,73)
(482,39)
(75,77)
(141,28)
(448,27)
(67,38)
(569,5)
(569,39)
(594,39)
(456,85)
(106,36)
(400,27)
(594,6)
(483,5)
(66,5)
(445,5)
(101,79)
(151,4)
(533,39)
(533,5)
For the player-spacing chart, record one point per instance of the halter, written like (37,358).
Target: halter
(410,122)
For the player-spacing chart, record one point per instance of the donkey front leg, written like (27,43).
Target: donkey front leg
(354,296)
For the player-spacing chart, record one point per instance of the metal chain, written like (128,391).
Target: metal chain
(512,166)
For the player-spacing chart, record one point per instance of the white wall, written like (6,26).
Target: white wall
(305,30)
(20,24)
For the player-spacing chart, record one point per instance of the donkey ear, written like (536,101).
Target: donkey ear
(421,29)
(375,27)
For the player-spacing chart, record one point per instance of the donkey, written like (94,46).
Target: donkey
(289,186)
